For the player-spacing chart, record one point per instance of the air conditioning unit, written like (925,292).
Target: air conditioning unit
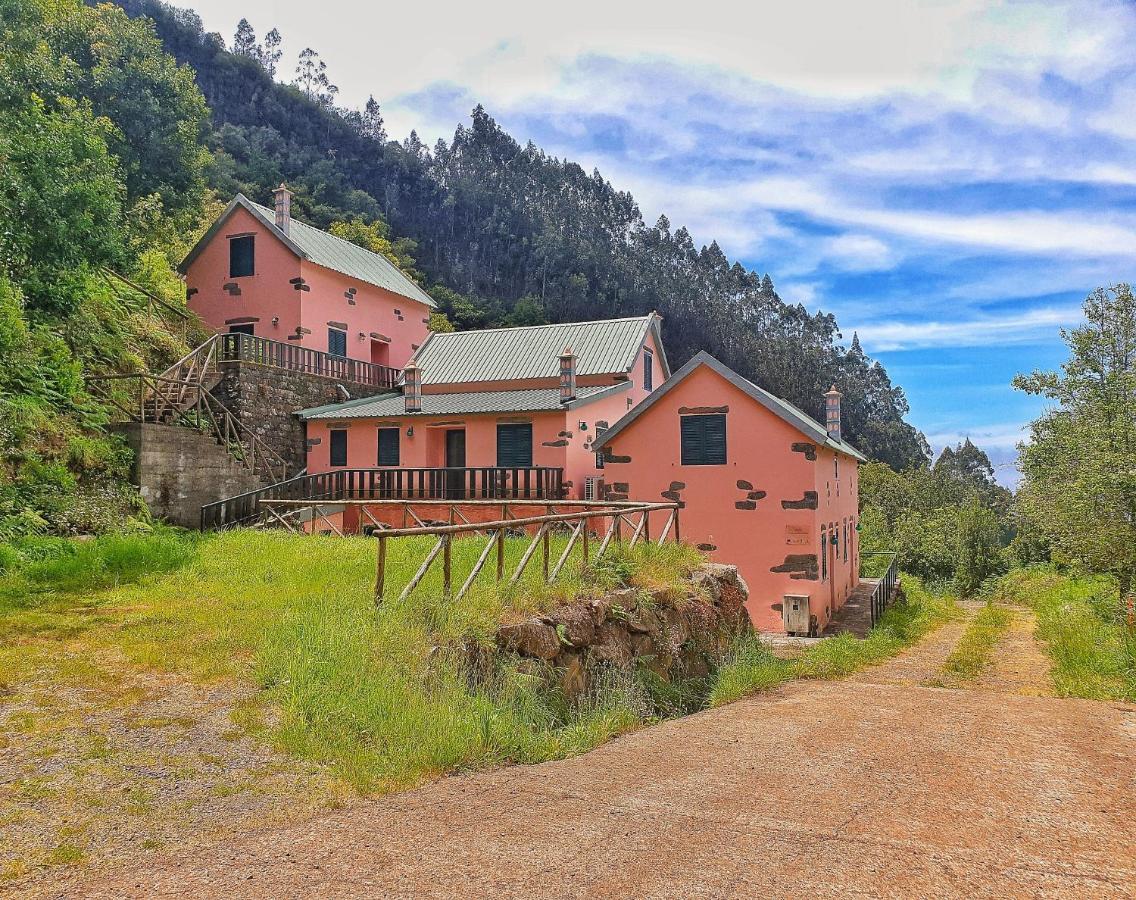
(593,487)
(795,614)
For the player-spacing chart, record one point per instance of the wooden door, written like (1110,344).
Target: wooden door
(455,464)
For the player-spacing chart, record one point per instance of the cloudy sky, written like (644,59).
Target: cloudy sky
(949,178)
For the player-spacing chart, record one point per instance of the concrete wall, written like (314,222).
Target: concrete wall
(178,470)
(264,400)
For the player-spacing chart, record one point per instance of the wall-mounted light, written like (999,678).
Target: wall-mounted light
(583,425)
(275,321)
(410,431)
(362,335)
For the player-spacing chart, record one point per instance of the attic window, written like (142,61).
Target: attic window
(703,440)
(648,370)
(241,256)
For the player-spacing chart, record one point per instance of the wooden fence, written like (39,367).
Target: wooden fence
(279,355)
(297,515)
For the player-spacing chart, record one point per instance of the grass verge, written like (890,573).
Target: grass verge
(975,649)
(1081,624)
(751,665)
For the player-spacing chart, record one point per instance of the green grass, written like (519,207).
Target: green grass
(975,649)
(751,665)
(1081,625)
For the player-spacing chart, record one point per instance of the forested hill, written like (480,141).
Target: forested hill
(506,234)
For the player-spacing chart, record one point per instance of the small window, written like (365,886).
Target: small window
(823,554)
(599,459)
(338,441)
(703,440)
(514,446)
(388,446)
(845,540)
(336,342)
(648,370)
(241,256)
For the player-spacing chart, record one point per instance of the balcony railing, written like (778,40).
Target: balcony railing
(473,483)
(279,355)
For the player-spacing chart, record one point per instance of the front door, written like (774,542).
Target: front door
(455,464)
(246,328)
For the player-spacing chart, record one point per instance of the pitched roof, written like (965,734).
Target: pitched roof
(604,347)
(784,410)
(466,403)
(323,249)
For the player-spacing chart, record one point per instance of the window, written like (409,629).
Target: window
(338,441)
(823,554)
(648,370)
(336,342)
(388,446)
(703,440)
(845,540)
(514,446)
(599,459)
(241,262)
(835,543)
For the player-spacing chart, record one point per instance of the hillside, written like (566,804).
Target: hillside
(506,234)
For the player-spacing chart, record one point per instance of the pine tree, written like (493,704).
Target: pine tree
(269,52)
(244,41)
(371,123)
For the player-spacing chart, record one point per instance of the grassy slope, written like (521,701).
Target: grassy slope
(1079,620)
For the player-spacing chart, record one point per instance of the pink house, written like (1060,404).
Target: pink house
(762,485)
(258,271)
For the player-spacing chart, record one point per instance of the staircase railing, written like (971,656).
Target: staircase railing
(884,590)
(278,355)
(156,398)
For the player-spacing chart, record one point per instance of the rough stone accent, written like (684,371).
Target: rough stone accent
(178,470)
(707,548)
(702,410)
(745,504)
(808,501)
(808,449)
(559,443)
(610,457)
(265,401)
(676,634)
(744,485)
(801,566)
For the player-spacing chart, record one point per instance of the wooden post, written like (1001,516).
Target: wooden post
(380,570)
(677,539)
(447,570)
(618,529)
(500,553)
(584,560)
(544,554)
(646,526)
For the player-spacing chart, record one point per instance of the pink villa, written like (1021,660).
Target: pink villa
(552,413)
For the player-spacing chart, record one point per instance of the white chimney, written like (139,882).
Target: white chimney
(412,387)
(567,376)
(832,412)
(283,198)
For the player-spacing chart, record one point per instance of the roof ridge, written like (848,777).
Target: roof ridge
(545,325)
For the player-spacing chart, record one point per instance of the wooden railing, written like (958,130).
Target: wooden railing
(279,355)
(478,483)
(154,398)
(884,591)
(302,516)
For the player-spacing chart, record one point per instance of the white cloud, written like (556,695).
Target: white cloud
(859,253)
(1016,327)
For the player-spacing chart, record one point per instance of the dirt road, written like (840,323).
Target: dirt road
(868,787)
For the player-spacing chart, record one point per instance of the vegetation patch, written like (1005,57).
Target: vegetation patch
(751,665)
(1082,625)
(975,649)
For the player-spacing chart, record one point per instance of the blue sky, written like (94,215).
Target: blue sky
(949,178)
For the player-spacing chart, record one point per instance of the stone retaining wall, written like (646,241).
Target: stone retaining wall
(676,635)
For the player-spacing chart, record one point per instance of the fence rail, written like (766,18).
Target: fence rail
(884,592)
(621,514)
(279,355)
(420,484)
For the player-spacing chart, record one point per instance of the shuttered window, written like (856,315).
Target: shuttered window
(338,441)
(648,370)
(241,257)
(514,446)
(336,342)
(388,446)
(703,440)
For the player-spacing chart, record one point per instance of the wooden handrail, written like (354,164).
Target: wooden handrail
(236,347)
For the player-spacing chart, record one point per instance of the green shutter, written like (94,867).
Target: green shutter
(241,259)
(338,448)
(336,342)
(388,446)
(514,446)
(703,440)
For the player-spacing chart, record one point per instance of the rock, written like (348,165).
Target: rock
(613,645)
(705,582)
(578,625)
(530,638)
(573,679)
(645,620)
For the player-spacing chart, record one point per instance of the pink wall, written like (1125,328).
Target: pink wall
(270,292)
(717,513)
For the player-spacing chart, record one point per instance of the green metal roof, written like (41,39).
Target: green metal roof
(466,403)
(800,420)
(602,348)
(323,249)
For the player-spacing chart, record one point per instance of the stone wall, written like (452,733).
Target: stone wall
(676,635)
(178,470)
(265,401)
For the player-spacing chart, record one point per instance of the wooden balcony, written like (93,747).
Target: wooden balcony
(279,355)
(538,483)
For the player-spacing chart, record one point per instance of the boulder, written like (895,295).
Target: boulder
(532,638)
(578,626)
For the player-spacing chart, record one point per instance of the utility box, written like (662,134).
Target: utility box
(795,614)
(593,488)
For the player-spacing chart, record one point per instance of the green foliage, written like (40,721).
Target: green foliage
(975,649)
(1079,481)
(1083,628)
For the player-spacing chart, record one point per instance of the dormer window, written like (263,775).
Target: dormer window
(241,256)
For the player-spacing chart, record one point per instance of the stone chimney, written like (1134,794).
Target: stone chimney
(567,376)
(832,412)
(412,387)
(283,198)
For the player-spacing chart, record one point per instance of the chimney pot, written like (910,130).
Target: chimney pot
(412,387)
(283,198)
(567,376)
(832,412)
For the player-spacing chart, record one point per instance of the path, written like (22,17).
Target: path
(872,786)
